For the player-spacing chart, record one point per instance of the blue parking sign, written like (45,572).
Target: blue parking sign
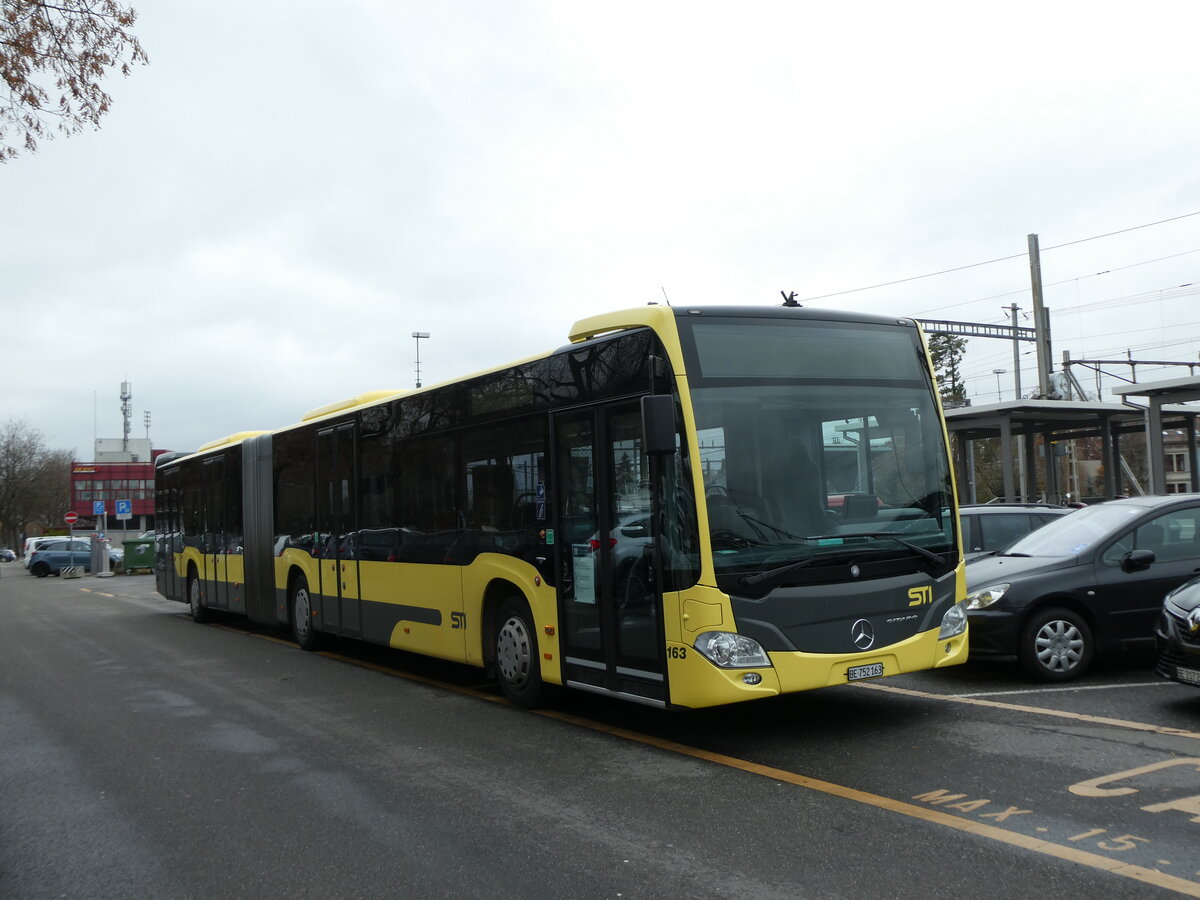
(124,508)
(97,507)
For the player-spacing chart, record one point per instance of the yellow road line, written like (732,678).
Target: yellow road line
(1056,713)
(1046,848)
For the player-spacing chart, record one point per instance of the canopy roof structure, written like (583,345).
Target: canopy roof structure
(1160,415)
(1065,420)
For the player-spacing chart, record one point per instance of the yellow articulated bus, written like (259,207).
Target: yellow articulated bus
(681,507)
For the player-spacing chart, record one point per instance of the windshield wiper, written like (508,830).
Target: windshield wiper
(888,535)
(767,574)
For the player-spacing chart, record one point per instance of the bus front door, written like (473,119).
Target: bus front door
(611,615)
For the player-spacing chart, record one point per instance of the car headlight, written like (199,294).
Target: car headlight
(985,597)
(731,651)
(954,622)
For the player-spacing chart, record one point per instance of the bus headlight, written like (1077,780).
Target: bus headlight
(731,651)
(985,597)
(954,622)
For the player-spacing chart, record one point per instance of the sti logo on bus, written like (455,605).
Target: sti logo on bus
(920,596)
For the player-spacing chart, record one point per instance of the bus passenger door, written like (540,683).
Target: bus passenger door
(611,615)
(215,549)
(336,517)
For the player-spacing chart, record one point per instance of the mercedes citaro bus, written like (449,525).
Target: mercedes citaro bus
(682,507)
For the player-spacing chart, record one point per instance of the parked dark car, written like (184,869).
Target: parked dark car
(988,527)
(1085,583)
(1178,635)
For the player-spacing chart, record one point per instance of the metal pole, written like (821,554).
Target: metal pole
(418,335)
(1022,491)
(1040,321)
(1016,355)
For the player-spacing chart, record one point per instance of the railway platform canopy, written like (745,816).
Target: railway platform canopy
(1166,402)
(1057,421)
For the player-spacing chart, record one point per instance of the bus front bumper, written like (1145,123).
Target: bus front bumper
(696,682)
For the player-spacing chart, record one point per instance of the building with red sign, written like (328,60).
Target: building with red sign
(122,473)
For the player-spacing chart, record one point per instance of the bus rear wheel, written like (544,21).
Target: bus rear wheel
(518,663)
(195,601)
(303,630)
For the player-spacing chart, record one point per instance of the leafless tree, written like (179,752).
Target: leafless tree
(35,483)
(53,56)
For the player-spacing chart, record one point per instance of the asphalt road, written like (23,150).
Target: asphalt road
(144,755)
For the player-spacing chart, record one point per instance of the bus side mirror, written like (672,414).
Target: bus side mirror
(658,424)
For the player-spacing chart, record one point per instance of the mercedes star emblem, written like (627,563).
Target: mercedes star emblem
(862,635)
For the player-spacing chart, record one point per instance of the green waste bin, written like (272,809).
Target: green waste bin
(139,554)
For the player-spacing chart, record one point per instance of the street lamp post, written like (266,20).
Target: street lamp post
(418,335)
(998,373)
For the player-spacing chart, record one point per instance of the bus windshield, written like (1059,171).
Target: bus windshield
(818,441)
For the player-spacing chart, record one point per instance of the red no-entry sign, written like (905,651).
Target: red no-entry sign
(71,518)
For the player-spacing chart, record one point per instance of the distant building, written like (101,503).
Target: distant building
(130,450)
(1178,461)
(122,470)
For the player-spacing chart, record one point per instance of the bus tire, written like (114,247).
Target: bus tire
(304,632)
(199,611)
(518,662)
(1056,645)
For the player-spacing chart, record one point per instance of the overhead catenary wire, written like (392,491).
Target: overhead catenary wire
(1023,291)
(988,262)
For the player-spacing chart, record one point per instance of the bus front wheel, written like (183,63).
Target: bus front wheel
(303,629)
(518,664)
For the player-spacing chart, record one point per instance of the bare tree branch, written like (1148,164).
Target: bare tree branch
(35,482)
(52,59)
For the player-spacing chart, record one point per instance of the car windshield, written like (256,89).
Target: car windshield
(816,439)
(1073,534)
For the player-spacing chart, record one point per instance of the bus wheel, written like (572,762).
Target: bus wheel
(517,661)
(195,602)
(303,631)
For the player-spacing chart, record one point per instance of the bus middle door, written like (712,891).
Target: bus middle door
(336,524)
(216,576)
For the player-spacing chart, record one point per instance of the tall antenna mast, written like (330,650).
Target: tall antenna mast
(126,412)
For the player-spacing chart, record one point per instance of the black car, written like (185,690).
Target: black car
(987,527)
(1087,582)
(1178,635)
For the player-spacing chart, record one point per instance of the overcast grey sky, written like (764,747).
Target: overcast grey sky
(290,189)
